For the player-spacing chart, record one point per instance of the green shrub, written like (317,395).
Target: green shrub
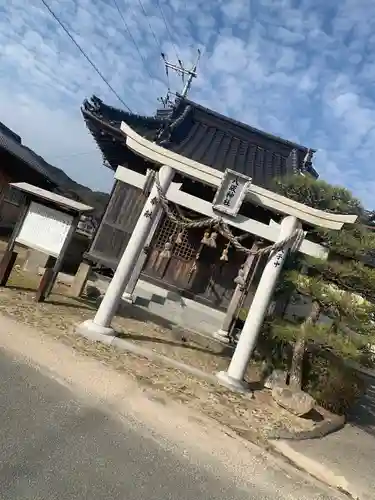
(334,385)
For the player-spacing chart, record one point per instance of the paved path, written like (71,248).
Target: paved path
(350,452)
(56,443)
(363,414)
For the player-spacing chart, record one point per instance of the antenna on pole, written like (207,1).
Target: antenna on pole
(183,72)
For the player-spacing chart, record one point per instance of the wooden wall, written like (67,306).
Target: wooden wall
(10,201)
(212,281)
(116,227)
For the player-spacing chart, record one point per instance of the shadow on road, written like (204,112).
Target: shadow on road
(363,413)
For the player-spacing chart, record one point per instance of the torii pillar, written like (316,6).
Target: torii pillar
(101,324)
(234,377)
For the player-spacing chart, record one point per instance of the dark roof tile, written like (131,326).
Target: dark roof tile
(200,134)
(11,144)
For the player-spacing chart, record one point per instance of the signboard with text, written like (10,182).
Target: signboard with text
(231,193)
(45,229)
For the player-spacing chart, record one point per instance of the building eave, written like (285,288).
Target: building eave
(26,156)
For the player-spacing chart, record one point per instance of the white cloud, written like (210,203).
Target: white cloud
(303,73)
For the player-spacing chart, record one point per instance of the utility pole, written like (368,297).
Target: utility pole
(183,72)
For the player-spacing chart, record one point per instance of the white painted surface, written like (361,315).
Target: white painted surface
(175,195)
(256,314)
(131,177)
(162,156)
(135,179)
(213,177)
(53,197)
(303,212)
(131,254)
(44,229)
(138,266)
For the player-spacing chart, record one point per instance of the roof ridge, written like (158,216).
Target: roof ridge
(95,105)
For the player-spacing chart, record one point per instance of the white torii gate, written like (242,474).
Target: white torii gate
(170,163)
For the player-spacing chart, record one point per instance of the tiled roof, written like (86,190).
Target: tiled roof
(200,134)
(11,143)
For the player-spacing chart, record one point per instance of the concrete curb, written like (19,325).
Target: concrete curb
(361,369)
(317,470)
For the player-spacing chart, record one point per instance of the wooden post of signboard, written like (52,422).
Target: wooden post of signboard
(10,256)
(80,279)
(50,274)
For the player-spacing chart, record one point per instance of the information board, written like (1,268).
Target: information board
(44,229)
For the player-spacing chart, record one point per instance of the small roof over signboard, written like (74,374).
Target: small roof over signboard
(56,199)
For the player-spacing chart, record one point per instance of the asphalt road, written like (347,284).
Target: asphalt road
(55,446)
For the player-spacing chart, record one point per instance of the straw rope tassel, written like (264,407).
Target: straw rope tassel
(224,256)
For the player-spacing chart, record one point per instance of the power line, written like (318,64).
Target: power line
(126,26)
(168,31)
(84,54)
(155,38)
(149,25)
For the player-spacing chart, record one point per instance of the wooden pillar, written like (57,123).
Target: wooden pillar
(45,282)
(80,279)
(223,333)
(6,266)
(10,256)
(132,283)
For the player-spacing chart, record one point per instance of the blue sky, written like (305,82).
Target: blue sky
(302,69)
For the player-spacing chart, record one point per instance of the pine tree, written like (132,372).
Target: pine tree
(342,289)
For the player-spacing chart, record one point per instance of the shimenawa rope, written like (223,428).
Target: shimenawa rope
(222,227)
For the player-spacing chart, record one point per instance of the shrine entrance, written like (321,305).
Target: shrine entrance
(194,270)
(222,217)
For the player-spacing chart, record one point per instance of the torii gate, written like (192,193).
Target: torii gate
(170,163)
